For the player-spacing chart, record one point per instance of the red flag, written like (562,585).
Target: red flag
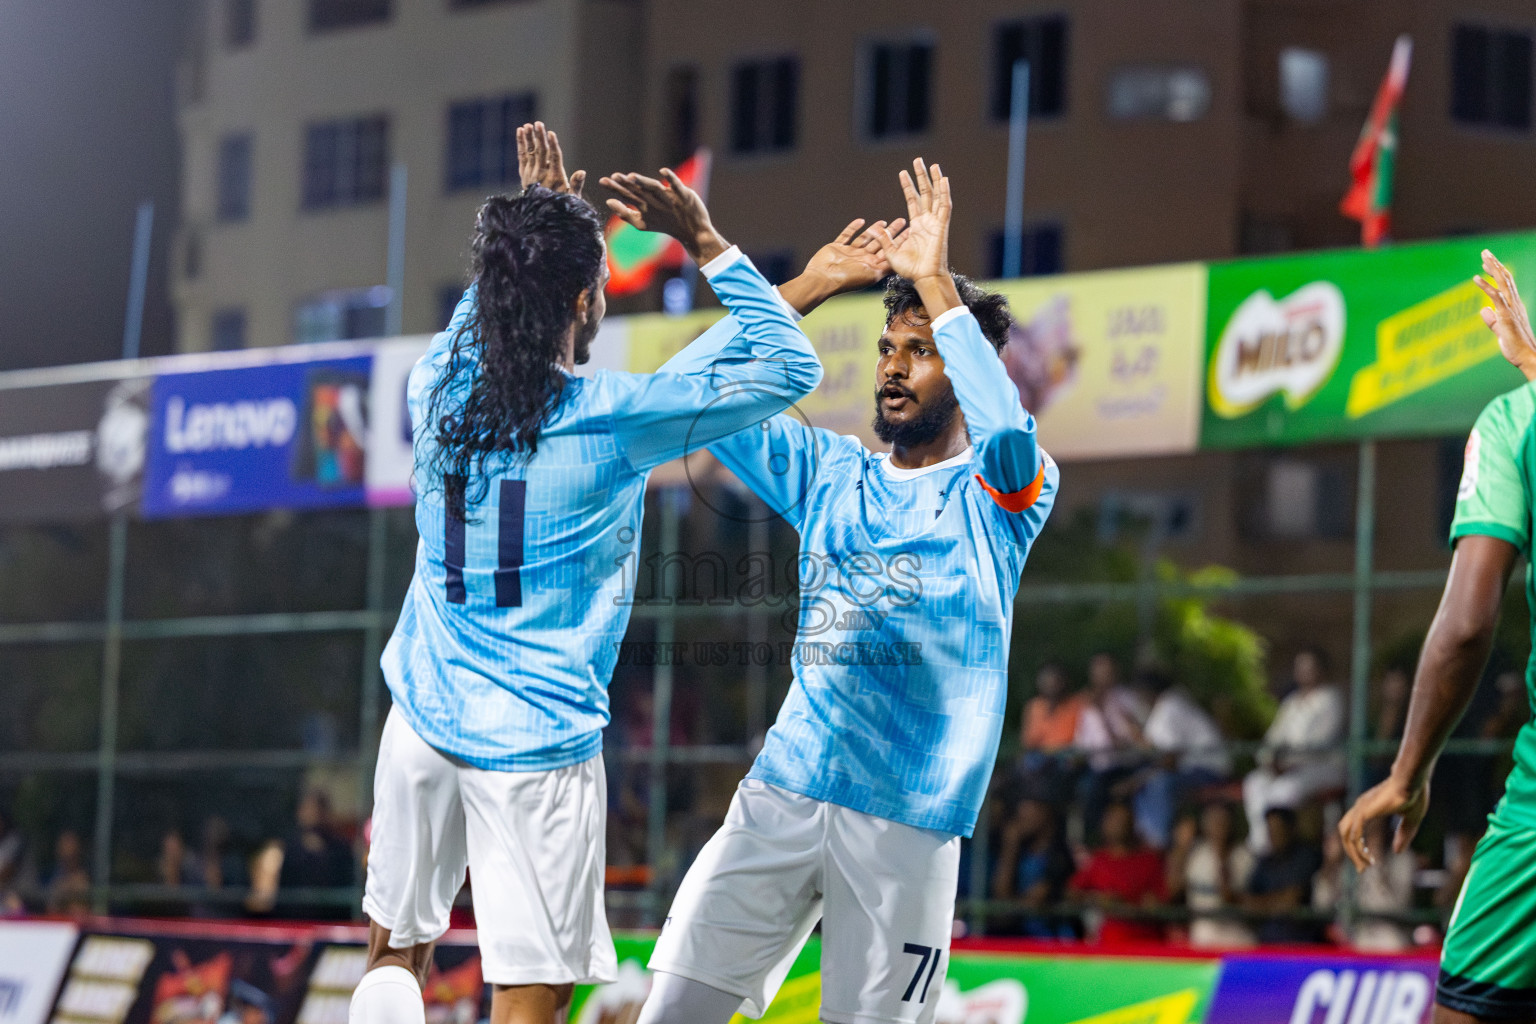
(1369,199)
(634,256)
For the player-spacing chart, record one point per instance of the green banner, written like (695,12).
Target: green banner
(982,988)
(1353,344)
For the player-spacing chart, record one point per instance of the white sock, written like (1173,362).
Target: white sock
(387,995)
(678,1000)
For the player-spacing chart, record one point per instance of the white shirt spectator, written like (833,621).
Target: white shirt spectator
(1179,725)
(1309,721)
(1110,729)
(1202,892)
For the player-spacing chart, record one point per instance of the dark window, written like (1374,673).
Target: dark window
(229,329)
(234,177)
(777,265)
(239,23)
(682,113)
(328,14)
(448,297)
(344,162)
(456,4)
(342,314)
(192,255)
(1491,77)
(900,79)
(1042,251)
(1042,42)
(482,140)
(764,98)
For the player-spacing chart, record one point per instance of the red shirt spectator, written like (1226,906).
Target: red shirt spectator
(1122,873)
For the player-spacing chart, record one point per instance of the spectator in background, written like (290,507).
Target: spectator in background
(1034,867)
(177,866)
(1385,889)
(1119,874)
(1050,717)
(1109,732)
(1281,882)
(14,865)
(1210,868)
(220,867)
(1190,753)
(315,857)
(1303,751)
(69,887)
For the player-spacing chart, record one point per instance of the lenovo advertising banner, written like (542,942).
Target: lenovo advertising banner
(1353,344)
(286,435)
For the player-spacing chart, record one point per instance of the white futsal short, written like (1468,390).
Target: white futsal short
(534,843)
(884,893)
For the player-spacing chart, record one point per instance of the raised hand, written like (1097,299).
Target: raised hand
(924,249)
(1508,318)
(540,162)
(667,206)
(853,259)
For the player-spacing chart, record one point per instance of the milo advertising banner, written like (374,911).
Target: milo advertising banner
(1354,344)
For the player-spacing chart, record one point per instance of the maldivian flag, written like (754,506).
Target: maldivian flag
(1369,199)
(634,256)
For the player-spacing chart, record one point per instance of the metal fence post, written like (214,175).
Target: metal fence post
(661,708)
(111,680)
(1360,646)
(373,646)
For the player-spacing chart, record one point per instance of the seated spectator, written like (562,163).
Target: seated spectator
(1385,889)
(1211,869)
(315,857)
(1109,732)
(1191,753)
(222,868)
(1121,873)
(69,887)
(1033,867)
(1281,882)
(1050,717)
(1303,751)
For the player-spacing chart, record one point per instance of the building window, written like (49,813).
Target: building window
(229,329)
(344,162)
(239,23)
(1491,77)
(681,116)
(764,101)
(482,140)
(325,15)
(1304,84)
(192,254)
(1155,93)
(776,265)
(899,81)
(1042,251)
(342,314)
(461,4)
(234,201)
(1042,42)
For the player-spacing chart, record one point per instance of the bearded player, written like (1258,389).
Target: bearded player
(530,492)
(1488,962)
(881,754)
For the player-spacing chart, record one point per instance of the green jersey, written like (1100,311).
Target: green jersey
(1495,499)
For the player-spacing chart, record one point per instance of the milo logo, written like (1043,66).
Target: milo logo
(1288,346)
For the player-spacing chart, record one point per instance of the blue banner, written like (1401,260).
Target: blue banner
(1269,988)
(287,435)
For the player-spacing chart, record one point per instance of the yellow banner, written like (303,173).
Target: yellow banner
(1423,345)
(1108,362)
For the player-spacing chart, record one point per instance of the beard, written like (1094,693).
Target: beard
(932,419)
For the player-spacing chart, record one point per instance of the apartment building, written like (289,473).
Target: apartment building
(294,111)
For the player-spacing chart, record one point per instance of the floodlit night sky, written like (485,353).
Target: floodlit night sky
(87,130)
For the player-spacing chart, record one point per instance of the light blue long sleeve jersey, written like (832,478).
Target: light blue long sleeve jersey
(508,635)
(906,600)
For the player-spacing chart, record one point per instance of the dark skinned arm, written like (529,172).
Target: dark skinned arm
(1455,652)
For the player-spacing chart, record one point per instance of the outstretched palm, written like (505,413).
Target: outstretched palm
(540,162)
(853,259)
(1507,318)
(923,251)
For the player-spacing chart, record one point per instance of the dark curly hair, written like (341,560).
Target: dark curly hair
(989,308)
(534,254)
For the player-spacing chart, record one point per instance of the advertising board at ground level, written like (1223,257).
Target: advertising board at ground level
(211,972)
